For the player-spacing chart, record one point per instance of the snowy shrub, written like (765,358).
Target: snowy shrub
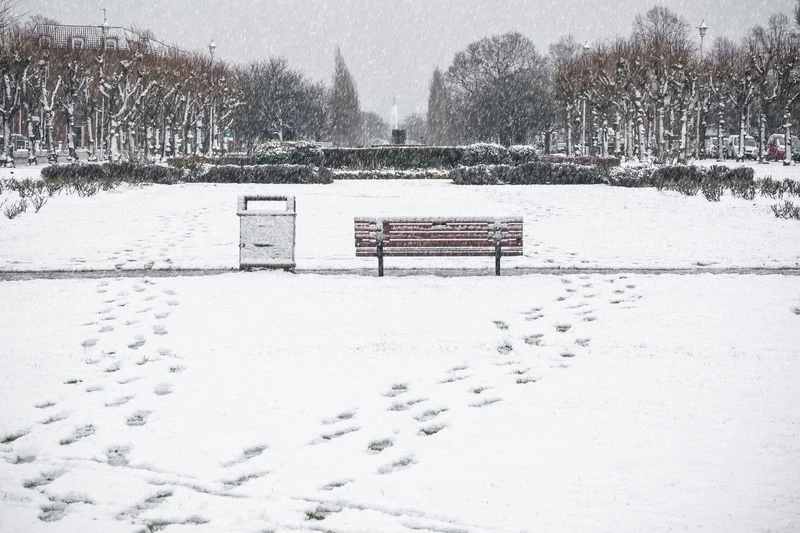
(287,153)
(393,157)
(631,176)
(14,209)
(522,153)
(108,175)
(713,187)
(786,210)
(306,153)
(193,162)
(271,153)
(417,174)
(485,154)
(299,174)
(539,173)
(586,160)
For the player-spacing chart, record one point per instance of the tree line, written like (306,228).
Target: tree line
(147,101)
(653,92)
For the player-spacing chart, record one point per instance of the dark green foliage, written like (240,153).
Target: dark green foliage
(587,160)
(299,174)
(196,161)
(485,154)
(519,154)
(394,157)
(786,210)
(287,153)
(390,174)
(109,175)
(539,173)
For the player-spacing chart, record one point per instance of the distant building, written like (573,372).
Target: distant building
(94,37)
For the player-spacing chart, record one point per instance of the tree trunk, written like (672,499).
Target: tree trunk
(7,134)
(71,129)
(569,131)
(90,133)
(742,132)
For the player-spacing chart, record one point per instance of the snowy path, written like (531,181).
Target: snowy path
(272,402)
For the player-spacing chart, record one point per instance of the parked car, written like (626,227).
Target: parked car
(776,146)
(731,150)
(796,151)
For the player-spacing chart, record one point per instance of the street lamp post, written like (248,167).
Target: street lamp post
(703,29)
(586,49)
(787,140)
(211,49)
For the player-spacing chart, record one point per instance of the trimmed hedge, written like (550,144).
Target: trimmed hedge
(393,157)
(196,161)
(111,173)
(297,174)
(606,162)
(286,153)
(539,173)
(417,174)
(375,158)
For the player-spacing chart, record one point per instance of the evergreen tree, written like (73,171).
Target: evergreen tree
(345,111)
(439,118)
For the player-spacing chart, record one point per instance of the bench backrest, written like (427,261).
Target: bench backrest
(438,236)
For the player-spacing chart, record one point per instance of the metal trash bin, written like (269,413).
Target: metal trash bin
(266,237)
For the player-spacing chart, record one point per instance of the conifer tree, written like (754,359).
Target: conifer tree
(439,112)
(345,110)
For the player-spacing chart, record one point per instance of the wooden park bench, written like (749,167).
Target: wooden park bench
(438,237)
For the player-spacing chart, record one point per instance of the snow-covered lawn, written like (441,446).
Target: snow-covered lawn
(195,226)
(272,402)
(266,401)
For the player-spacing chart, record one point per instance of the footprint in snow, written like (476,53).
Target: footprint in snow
(139,418)
(341,417)
(80,433)
(88,343)
(400,464)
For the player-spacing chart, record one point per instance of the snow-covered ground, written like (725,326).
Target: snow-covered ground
(195,226)
(272,402)
(249,402)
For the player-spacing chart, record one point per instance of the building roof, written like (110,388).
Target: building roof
(62,36)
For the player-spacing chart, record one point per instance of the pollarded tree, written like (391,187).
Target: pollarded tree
(664,36)
(733,83)
(345,110)
(566,80)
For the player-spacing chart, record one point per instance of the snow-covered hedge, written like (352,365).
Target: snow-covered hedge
(195,161)
(485,154)
(296,174)
(287,153)
(539,173)
(393,157)
(110,174)
(416,174)
(601,161)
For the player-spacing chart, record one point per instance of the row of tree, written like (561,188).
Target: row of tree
(654,91)
(149,100)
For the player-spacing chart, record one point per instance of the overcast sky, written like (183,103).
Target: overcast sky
(390,46)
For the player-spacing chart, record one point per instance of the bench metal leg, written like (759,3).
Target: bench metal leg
(380,259)
(497,249)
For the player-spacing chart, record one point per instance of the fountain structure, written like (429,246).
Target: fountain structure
(398,135)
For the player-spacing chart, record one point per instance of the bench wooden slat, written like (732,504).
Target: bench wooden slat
(440,237)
